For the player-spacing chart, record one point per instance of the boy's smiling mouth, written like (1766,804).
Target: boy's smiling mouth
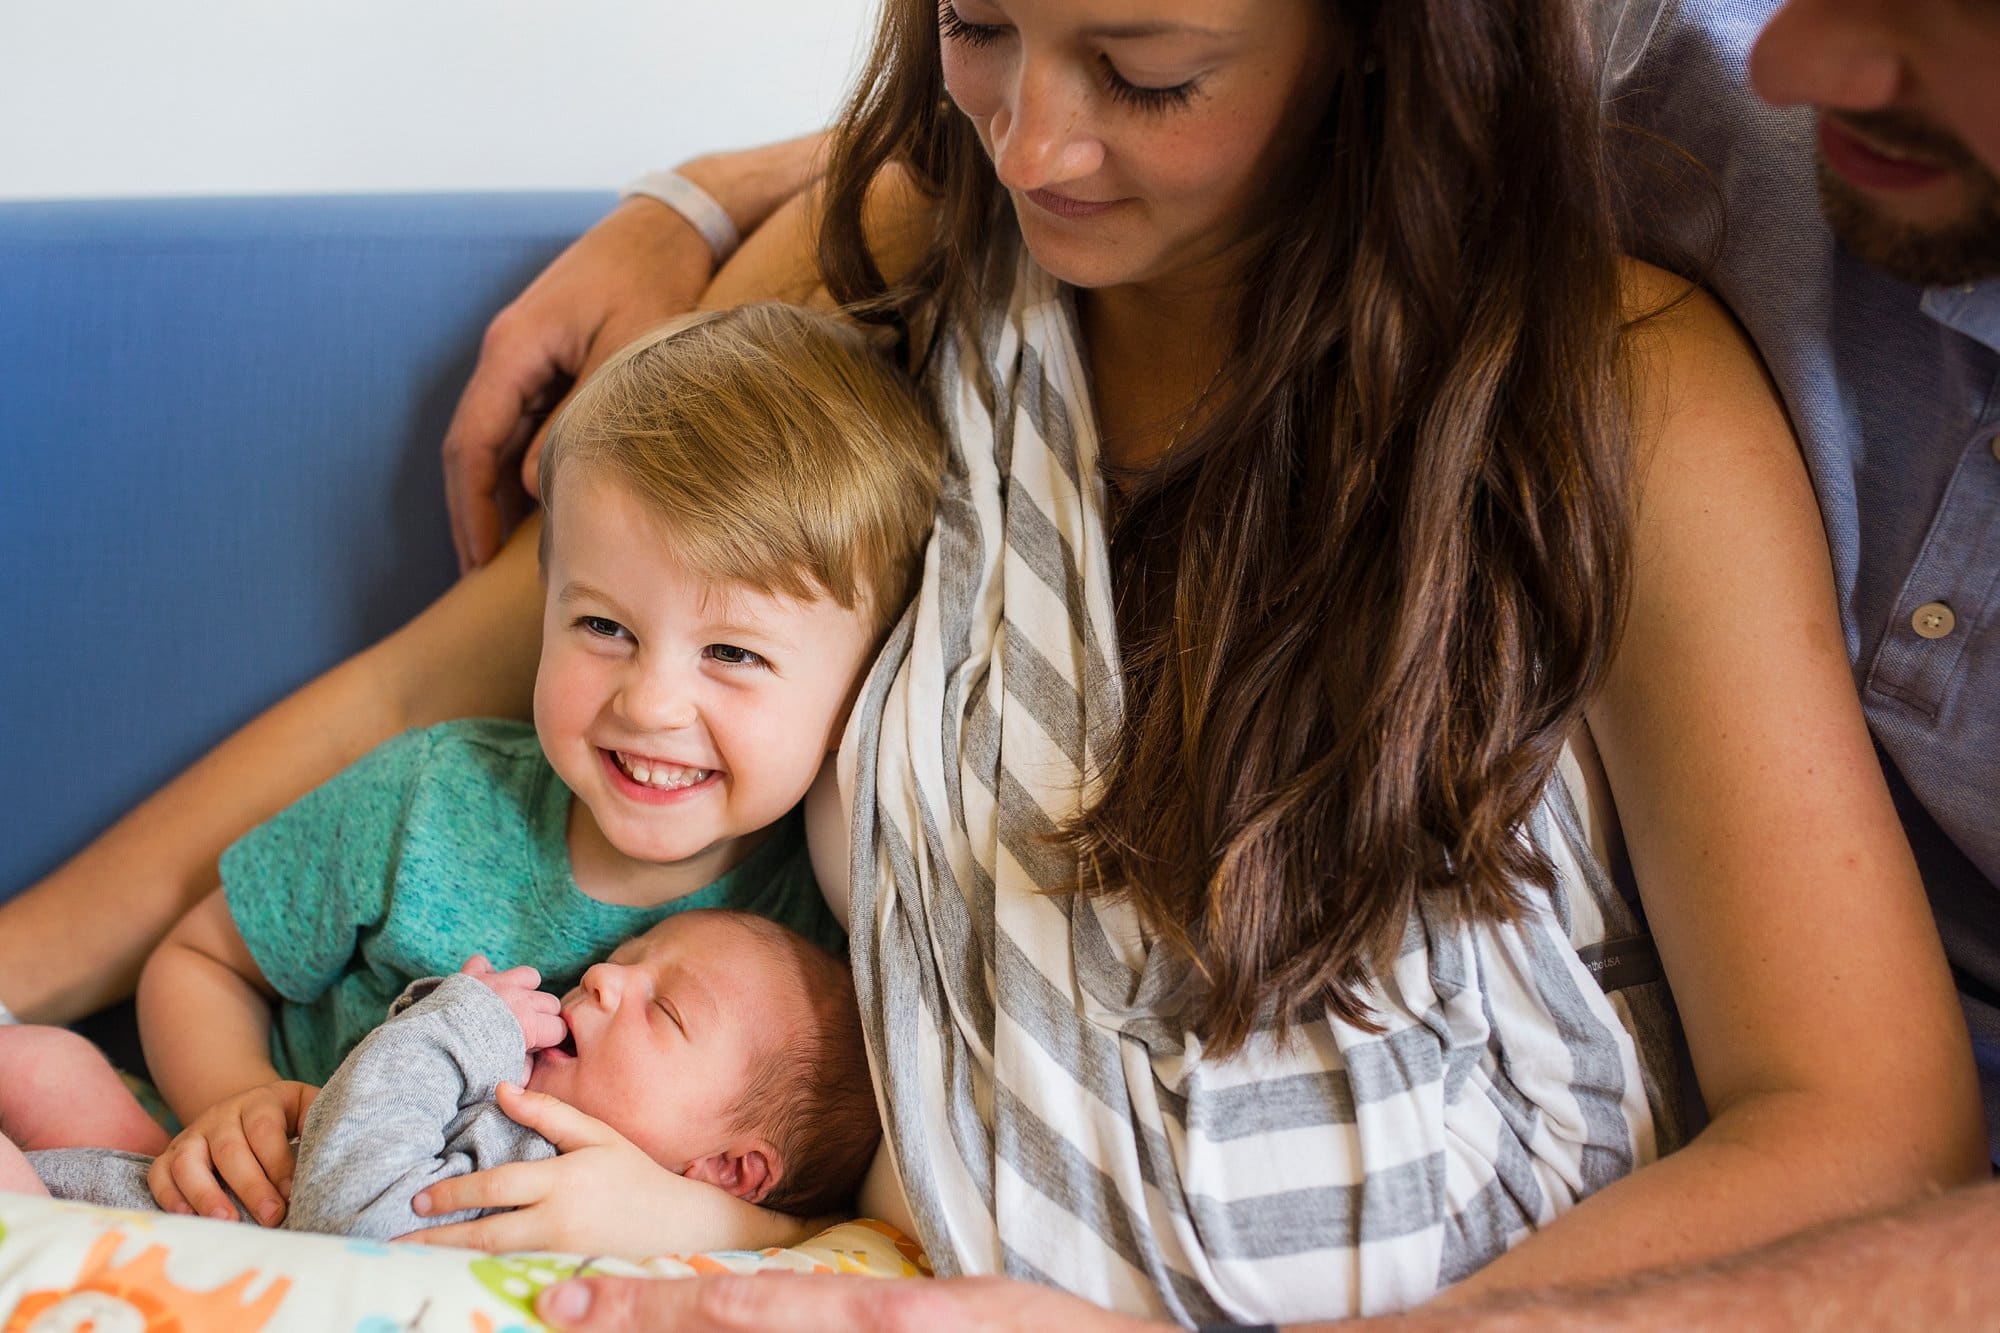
(657,774)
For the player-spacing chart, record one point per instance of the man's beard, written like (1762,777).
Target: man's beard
(1965,249)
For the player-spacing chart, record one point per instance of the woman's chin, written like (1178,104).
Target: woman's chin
(1087,262)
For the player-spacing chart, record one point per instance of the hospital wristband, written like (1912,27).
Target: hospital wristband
(695,204)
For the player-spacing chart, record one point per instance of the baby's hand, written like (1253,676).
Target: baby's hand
(246,1140)
(539,1013)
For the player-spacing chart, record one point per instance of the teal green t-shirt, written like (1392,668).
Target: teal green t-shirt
(435,846)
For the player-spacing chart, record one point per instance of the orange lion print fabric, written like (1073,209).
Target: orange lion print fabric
(72,1268)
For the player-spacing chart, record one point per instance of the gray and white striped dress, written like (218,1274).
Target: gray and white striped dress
(1046,1121)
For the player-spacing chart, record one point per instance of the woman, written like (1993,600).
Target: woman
(1341,328)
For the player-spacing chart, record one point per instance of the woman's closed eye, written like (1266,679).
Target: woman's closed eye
(730,655)
(955,29)
(1144,96)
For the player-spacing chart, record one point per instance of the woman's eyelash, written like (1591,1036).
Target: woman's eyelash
(955,29)
(1124,90)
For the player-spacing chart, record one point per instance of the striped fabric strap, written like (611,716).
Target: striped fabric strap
(1050,1118)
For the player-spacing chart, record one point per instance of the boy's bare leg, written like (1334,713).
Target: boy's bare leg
(58,1091)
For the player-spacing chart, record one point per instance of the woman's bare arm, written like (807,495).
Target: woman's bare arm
(75,941)
(1824,1027)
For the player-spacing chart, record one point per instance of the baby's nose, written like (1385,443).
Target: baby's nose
(602,981)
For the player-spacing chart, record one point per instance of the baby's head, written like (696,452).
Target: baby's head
(736,508)
(728,1048)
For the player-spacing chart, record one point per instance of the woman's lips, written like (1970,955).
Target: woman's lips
(1862,165)
(1065,207)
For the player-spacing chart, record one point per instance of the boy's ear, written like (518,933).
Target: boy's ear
(860,682)
(749,1170)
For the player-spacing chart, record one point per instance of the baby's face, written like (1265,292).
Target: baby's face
(666,1035)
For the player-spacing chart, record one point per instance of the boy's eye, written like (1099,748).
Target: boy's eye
(668,1010)
(601,626)
(730,655)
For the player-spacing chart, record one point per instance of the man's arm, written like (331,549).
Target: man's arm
(1933,1265)
(643,264)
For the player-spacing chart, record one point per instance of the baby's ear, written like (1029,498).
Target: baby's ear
(748,1170)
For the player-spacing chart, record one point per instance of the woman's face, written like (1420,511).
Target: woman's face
(1139,139)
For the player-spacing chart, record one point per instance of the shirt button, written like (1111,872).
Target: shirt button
(1994,445)
(1933,620)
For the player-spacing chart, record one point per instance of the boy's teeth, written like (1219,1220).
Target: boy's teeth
(665,777)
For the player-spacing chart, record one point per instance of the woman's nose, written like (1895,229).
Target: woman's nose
(1847,55)
(1041,134)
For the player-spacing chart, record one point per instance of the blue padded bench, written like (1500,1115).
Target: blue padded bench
(220,421)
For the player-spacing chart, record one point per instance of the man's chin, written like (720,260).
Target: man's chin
(1941,254)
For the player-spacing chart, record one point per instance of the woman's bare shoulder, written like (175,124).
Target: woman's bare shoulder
(1692,367)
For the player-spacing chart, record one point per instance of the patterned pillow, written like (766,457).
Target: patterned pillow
(67,1265)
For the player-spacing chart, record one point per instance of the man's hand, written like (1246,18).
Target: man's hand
(640,266)
(822,1303)
(538,1012)
(244,1142)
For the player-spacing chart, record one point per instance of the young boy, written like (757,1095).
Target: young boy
(725,1046)
(735,509)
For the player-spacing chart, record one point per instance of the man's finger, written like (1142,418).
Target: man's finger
(777,1302)
(475,517)
(487,429)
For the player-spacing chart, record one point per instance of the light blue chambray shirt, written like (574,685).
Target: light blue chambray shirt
(1895,394)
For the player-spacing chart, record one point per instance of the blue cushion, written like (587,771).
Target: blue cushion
(220,420)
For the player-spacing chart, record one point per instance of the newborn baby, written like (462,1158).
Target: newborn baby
(725,1046)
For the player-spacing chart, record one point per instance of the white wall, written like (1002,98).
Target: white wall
(151,97)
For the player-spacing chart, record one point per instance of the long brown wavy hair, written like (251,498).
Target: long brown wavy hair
(1363,605)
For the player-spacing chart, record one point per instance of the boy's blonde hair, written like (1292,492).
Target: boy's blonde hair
(779,448)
